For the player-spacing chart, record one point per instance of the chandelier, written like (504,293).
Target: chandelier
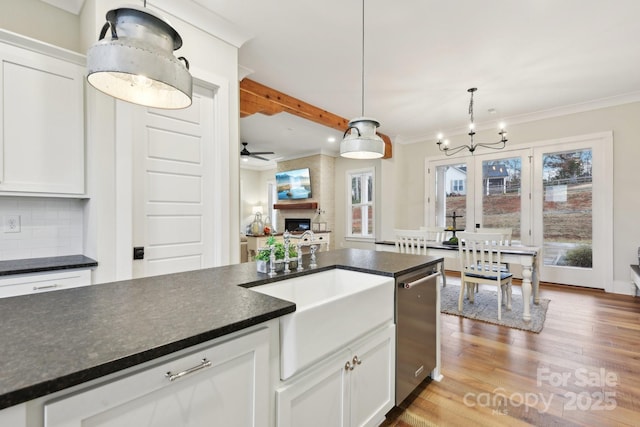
(498,145)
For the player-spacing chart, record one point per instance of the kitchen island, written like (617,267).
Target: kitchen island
(54,341)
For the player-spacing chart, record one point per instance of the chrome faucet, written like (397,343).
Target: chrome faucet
(286,237)
(307,233)
(301,238)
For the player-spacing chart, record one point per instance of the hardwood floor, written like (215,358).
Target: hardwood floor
(583,369)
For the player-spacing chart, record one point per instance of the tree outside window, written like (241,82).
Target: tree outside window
(360,210)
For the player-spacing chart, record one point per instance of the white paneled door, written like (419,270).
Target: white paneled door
(172,174)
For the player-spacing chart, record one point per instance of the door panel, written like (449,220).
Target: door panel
(172,215)
(572,217)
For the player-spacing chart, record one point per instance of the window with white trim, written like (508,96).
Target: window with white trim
(360,203)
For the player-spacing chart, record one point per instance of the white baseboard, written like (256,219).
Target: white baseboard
(623,287)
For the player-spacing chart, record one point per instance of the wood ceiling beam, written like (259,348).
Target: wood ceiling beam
(258,98)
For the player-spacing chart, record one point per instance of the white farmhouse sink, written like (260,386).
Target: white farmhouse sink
(333,308)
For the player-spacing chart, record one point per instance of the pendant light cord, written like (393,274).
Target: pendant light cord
(362,107)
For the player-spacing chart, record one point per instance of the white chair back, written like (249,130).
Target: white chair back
(410,241)
(479,249)
(434,234)
(505,234)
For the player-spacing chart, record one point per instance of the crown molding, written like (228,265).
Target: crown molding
(206,20)
(566,110)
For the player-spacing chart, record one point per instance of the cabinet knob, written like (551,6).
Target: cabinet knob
(348,366)
(356,361)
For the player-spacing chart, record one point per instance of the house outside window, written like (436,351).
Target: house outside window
(457,186)
(360,203)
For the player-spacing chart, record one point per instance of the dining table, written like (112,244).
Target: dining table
(526,256)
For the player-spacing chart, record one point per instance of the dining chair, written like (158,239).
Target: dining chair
(414,242)
(435,234)
(505,234)
(410,241)
(480,262)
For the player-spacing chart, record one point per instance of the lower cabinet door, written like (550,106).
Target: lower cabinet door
(372,383)
(226,385)
(317,399)
(355,388)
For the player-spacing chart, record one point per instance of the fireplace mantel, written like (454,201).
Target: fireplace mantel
(299,205)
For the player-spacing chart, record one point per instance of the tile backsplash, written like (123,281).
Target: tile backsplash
(48,227)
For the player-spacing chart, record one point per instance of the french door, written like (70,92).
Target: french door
(489,190)
(573,210)
(556,195)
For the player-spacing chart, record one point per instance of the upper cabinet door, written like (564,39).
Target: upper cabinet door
(41,123)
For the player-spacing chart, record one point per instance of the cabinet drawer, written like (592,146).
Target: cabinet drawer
(225,384)
(23,284)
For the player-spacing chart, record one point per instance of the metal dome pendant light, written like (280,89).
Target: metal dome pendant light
(360,140)
(137,63)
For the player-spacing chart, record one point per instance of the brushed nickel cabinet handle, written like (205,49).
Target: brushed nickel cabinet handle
(172,377)
(39,288)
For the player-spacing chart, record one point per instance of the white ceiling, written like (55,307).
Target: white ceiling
(528,59)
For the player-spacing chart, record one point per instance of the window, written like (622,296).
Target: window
(457,186)
(360,221)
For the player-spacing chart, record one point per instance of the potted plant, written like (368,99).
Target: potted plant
(262,258)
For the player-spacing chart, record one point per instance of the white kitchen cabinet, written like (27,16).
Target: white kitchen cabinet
(354,388)
(14,416)
(41,119)
(31,283)
(226,384)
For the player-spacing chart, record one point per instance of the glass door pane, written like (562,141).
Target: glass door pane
(451,185)
(567,208)
(502,195)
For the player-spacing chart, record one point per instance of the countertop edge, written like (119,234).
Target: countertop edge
(39,265)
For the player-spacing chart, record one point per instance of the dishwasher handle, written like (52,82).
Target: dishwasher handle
(420,281)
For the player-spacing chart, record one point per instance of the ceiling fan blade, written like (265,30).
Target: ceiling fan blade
(259,157)
(262,152)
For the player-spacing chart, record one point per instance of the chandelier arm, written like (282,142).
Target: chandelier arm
(492,145)
(455,150)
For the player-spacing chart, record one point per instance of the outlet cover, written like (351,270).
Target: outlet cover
(12,223)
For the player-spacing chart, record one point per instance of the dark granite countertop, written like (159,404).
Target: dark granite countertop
(36,265)
(55,340)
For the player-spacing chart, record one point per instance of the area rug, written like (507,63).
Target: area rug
(485,308)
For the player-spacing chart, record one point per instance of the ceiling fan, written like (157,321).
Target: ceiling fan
(256,155)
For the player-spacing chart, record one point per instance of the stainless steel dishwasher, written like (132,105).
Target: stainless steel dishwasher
(416,323)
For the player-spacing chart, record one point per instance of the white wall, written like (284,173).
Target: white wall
(41,21)
(622,120)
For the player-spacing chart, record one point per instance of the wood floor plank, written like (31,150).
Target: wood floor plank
(563,376)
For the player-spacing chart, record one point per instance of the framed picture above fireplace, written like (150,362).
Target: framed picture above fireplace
(293,184)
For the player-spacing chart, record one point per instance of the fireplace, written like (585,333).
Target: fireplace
(297,225)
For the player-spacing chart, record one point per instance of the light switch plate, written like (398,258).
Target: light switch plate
(12,223)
